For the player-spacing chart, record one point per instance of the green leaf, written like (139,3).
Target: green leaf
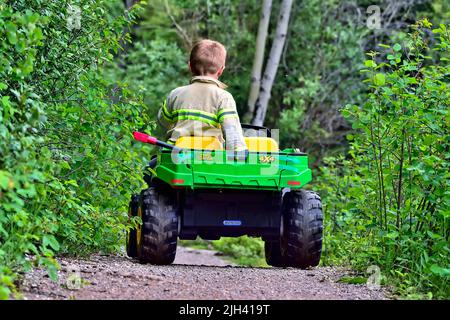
(4,292)
(370,64)
(379,79)
(50,240)
(439,270)
(434,235)
(52,270)
(4,179)
(397,47)
(11,32)
(392,235)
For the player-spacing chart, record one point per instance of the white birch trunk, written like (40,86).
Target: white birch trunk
(272,63)
(259,57)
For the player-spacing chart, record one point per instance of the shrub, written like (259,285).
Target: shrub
(388,202)
(67,161)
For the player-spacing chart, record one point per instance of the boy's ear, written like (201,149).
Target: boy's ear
(219,73)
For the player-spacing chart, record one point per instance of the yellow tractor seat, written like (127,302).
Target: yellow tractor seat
(255,144)
(261,144)
(201,143)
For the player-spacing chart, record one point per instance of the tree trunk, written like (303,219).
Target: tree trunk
(272,63)
(259,58)
(129,3)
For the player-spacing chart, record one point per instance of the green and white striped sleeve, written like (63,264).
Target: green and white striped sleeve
(165,118)
(231,126)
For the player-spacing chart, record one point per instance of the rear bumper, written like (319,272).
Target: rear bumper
(211,214)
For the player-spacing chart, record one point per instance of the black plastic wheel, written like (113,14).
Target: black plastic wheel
(303,228)
(131,244)
(157,237)
(300,242)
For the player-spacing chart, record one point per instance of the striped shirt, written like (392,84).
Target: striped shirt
(202,108)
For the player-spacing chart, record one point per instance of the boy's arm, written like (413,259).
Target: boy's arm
(231,126)
(165,118)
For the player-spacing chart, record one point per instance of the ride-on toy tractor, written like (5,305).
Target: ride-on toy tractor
(201,189)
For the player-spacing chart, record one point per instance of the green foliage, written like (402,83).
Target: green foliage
(291,117)
(67,161)
(196,244)
(388,203)
(151,72)
(20,171)
(243,250)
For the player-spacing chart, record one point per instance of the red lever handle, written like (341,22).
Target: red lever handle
(139,136)
(144,138)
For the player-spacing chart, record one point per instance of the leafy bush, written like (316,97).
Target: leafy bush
(67,161)
(388,203)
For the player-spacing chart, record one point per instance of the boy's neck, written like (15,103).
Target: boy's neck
(214,76)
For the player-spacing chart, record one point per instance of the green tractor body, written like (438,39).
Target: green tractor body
(217,169)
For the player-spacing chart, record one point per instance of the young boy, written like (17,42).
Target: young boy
(203,108)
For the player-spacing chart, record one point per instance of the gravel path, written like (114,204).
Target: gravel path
(199,257)
(198,274)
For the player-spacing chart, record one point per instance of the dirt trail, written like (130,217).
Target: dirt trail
(197,274)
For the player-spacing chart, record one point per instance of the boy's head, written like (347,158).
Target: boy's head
(207,58)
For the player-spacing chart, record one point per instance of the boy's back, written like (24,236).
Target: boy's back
(203,108)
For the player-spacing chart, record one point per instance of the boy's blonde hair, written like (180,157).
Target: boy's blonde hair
(207,57)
